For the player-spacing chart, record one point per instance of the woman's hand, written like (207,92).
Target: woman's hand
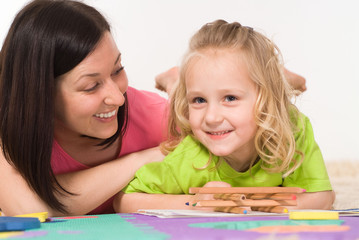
(91,187)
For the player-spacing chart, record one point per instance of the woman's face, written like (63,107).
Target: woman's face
(88,97)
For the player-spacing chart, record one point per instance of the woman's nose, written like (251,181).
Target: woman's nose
(113,94)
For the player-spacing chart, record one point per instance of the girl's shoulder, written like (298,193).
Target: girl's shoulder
(299,120)
(191,150)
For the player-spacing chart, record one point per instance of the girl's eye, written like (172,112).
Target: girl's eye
(199,100)
(118,71)
(230,98)
(93,88)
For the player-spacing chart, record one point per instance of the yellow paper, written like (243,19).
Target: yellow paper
(4,235)
(313,215)
(42,216)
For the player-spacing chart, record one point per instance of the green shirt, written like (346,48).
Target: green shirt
(180,169)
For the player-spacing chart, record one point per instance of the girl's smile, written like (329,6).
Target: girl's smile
(221,99)
(219,134)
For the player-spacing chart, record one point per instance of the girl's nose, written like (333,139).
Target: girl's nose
(213,114)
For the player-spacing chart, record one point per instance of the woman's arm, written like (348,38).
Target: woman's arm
(92,186)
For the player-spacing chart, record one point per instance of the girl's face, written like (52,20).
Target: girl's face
(221,98)
(88,96)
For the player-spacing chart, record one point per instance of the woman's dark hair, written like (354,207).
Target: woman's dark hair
(46,39)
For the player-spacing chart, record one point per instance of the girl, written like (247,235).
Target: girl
(232,121)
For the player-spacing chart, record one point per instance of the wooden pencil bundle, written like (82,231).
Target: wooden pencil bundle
(238,199)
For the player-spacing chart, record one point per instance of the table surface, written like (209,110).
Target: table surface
(137,226)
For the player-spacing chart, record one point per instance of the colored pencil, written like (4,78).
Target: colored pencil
(241,210)
(273,196)
(275,209)
(212,190)
(265,203)
(256,196)
(245,203)
(229,196)
(216,203)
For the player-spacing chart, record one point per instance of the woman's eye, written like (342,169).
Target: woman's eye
(230,98)
(92,88)
(118,71)
(199,100)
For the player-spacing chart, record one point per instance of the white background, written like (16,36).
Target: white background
(318,39)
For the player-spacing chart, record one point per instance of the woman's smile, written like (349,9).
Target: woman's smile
(106,115)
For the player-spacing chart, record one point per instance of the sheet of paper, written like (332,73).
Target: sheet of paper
(174,213)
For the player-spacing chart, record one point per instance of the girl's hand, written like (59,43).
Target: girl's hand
(296,81)
(202,196)
(167,80)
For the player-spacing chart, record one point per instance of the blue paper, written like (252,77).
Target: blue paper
(18,223)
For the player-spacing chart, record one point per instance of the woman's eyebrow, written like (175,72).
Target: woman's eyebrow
(117,59)
(97,74)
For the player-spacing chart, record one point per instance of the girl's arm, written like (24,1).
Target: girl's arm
(166,81)
(315,200)
(131,202)
(92,186)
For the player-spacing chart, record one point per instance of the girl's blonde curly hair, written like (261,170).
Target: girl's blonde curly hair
(274,112)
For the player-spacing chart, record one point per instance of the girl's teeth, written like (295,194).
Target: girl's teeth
(219,133)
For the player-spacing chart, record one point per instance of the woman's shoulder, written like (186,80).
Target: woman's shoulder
(146,97)
(148,107)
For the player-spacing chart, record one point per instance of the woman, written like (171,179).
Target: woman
(68,118)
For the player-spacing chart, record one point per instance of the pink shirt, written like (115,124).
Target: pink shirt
(146,128)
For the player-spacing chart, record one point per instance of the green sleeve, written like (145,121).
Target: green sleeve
(311,174)
(154,177)
(179,171)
